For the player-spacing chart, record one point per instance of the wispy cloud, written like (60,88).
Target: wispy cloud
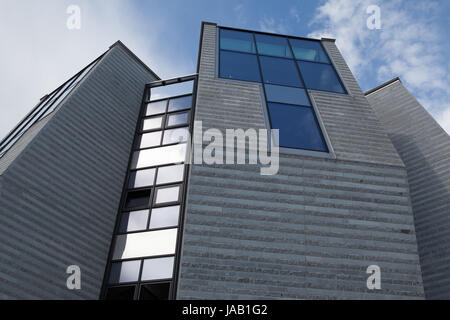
(269,24)
(407,46)
(294,13)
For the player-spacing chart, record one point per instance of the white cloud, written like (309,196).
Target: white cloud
(268,24)
(407,46)
(294,13)
(39,53)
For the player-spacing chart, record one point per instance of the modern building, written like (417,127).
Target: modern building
(101,175)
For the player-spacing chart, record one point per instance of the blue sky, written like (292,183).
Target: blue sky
(39,52)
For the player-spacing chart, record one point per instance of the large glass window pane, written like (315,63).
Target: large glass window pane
(157,269)
(298,127)
(165,217)
(134,221)
(142,178)
(121,293)
(273,46)
(176,135)
(155,291)
(171,90)
(148,140)
(159,156)
(166,195)
(152,123)
(127,271)
(308,50)
(170,174)
(179,104)
(239,66)
(320,76)
(178,119)
(237,41)
(156,108)
(138,199)
(145,244)
(286,95)
(280,71)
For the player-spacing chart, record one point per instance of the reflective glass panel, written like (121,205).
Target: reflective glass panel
(308,50)
(127,271)
(239,66)
(165,217)
(145,244)
(155,291)
(237,41)
(280,71)
(142,178)
(286,95)
(157,269)
(179,104)
(152,123)
(178,119)
(170,174)
(273,46)
(171,90)
(165,195)
(298,127)
(156,107)
(151,139)
(159,156)
(134,221)
(121,293)
(320,76)
(176,135)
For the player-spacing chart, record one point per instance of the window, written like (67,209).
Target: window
(136,245)
(157,269)
(320,76)
(308,50)
(273,46)
(178,119)
(152,123)
(179,104)
(138,199)
(239,66)
(280,71)
(134,221)
(165,217)
(148,140)
(298,127)
(170,174)
(159,156)
(176,135)
(286,95)
(142,178)
(127,271)
(120,293)
(155,291)
(237,41)
(156,108)
(167,195)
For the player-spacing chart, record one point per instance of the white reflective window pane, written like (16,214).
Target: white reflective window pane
(142,178)
(178,119)
(170,174)
(125,272)
(156,107)
(171,90)
(152,123)
(156,269)
(145,244)
(176,135)
(134,221)
(165,217)
(159,156)
(165,195)
(151,139)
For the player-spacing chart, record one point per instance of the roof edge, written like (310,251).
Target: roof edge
(382,85)
(135,57)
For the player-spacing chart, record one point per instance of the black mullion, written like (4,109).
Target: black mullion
(298,70)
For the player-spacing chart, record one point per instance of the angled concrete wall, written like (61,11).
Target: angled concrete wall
(60,195)
(425,149)
(312,230)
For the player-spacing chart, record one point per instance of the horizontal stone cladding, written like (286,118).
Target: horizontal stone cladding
(309,232)
(59,197)
(425,149)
